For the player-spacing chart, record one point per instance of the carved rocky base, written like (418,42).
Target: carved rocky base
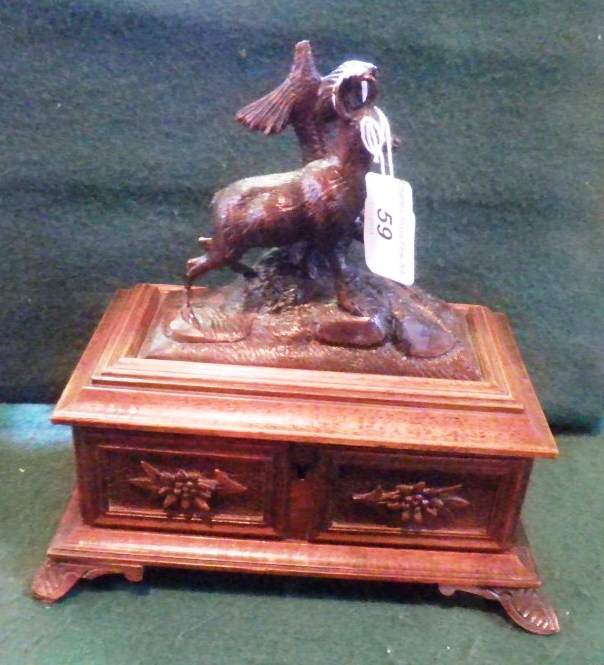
(55,579)
(284,318)
(526,607)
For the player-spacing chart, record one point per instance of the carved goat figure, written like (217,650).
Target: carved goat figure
(318,203)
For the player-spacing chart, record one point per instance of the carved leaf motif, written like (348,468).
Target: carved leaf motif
(416,503)
(153,474)
(376,496)
(227,485)
(186,491)
(143,483)
(457,502)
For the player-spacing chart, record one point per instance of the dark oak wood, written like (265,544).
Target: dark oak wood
(272,470)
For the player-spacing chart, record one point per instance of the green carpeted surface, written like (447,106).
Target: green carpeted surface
(117,127)
(181,617)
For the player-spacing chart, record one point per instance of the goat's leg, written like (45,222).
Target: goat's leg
(236,266)
(338,266)
(358,232)
(199,266)
(310,261)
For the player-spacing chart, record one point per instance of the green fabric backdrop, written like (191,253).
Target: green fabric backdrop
(116,127)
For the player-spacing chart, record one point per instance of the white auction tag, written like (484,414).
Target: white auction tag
(389,230)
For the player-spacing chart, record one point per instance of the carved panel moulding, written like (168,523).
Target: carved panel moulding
(417,503)
(186,492)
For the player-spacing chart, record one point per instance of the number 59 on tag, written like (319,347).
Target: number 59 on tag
(386,218)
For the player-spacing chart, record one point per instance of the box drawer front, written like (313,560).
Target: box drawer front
(181,483)
(425,501)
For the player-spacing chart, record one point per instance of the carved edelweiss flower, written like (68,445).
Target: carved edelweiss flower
(186,491)
(416,503)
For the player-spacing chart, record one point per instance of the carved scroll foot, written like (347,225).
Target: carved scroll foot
(526,607)
(56,578)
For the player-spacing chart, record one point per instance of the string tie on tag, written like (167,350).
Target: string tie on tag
(376,137)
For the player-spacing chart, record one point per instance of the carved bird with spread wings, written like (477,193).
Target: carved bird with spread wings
(305,101)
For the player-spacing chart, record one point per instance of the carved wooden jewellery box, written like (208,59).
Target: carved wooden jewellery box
(306,472)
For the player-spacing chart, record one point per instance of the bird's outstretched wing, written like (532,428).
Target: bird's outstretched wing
(272,113)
